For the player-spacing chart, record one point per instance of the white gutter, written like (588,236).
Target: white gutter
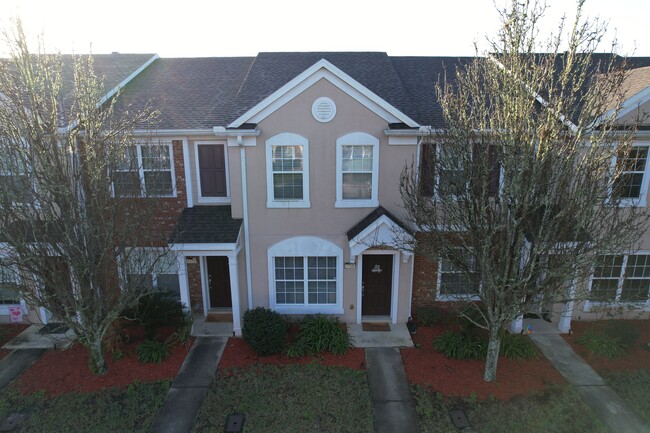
(181,132)
(239,133)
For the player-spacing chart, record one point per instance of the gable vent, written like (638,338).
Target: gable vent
(323,109)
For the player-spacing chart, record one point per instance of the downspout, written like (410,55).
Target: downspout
(244,188)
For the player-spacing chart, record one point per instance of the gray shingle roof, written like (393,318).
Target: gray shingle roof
(371,218)
(206,224)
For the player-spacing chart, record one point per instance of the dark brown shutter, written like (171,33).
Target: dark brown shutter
(427,169)
(495,171)
(212,170)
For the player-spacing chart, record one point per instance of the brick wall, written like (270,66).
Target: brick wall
(425,282)
(194,283)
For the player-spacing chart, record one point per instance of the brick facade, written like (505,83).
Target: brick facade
(194,283)
(425,282)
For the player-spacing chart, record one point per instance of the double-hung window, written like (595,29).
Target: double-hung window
(287,168)
(630,187)
(305,276)
(149,270)
(9,284)
(146,170)
(357,170)
(456,282)
(15,181)
(621,278)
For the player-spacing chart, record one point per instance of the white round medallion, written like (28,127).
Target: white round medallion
(323,109)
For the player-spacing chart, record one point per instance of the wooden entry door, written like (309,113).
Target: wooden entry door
(376,284)
(219,282)
(212,170)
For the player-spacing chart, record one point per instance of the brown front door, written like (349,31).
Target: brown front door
(212,170)
(376,284)
(219,282)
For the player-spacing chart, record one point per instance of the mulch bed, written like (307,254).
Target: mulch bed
(239,354)
(451,377)
(59,372)
(7,332)
(637,358)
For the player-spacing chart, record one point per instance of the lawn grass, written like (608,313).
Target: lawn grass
(115,410)
(285,399)
(557,409)
(633,387)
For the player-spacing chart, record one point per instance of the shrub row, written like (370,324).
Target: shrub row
(611,340)
(473,344)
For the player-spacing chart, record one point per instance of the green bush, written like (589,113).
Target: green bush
(516,347)
(602,344)
(152,351)
(461,345)
(156,310)
(627,333)
(265,331)
(319,333)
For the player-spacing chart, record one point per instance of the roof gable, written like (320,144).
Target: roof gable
(322,69)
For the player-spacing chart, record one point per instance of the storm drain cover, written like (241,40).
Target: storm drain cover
(12,422)
(459,419)
(53,328)
(234,423)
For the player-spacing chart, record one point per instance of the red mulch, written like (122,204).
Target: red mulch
(239,354)
(7,332)
(637,358)
(59,372)
(451,377)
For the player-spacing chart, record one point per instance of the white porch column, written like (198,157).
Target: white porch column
(517,325)
(183,282)
(564,324)
(234,294)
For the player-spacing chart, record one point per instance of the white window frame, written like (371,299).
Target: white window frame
(306,246)
(4,308)
(643,193)
(141,170)
(643,305)
(154,274)
(25,173)
(357,139)
(453,297)
(287,139)
(208,200)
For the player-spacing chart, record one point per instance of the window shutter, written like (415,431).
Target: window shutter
(427,169)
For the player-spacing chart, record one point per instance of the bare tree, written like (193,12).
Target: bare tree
(529,181)
(74,217)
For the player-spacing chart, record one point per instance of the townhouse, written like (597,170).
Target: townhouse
(283,183)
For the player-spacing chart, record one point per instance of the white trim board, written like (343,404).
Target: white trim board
(323,70)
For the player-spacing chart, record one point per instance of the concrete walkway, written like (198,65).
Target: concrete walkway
(392,407)
(189,389)
(13,365)
(607,405)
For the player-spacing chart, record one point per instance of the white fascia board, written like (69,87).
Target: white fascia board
(199,249)
(173,132)
(629,105)
(363,240)
(337,77)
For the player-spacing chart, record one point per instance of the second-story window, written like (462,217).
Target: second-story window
(357,166)
(146,170)
(287,168)
(15,182)
(630,186)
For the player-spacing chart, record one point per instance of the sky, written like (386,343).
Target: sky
(199,28)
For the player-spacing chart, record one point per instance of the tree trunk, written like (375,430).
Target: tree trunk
(96,361)
(490,374)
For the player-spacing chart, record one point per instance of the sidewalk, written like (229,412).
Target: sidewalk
(187,392)
(607,405)
(392,407)
(14,364)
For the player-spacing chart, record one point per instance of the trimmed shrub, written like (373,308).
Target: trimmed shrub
(152,351)
(627,333)
(461,345)
(319,333)
(265,331)
(156,310)
(516,347)
(425,316)
(602,344)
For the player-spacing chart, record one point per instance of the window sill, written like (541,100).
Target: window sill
(629,202)
(309,309)
(213,200)
(457,298)
(356,203)
(590,306)
(298,204)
